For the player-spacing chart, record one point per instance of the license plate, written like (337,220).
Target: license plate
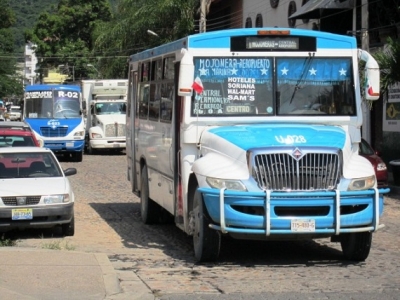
(299,225)
(116,145)
(69,144)
(22,214)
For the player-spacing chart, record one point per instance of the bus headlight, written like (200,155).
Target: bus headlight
(219,183)
(362,183)
(79,133)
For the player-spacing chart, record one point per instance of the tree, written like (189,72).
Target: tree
(126,34)
(10,83)
(63,34)
(389,63)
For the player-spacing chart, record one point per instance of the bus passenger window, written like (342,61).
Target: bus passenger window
(167,97)
(154,101)
(143,103)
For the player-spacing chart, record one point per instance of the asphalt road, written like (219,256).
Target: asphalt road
(108,221)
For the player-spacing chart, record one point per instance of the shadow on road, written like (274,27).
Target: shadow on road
(176,244)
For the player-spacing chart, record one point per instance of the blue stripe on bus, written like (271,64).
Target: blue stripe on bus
(50,87)
(221,40)
(274,135)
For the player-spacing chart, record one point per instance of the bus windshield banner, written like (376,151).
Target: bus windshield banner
(244,86)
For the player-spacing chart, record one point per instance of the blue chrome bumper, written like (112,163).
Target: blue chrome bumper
(269,213)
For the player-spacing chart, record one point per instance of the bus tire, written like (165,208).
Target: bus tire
(356,246)
(150,211)
(206,241)
(77,156)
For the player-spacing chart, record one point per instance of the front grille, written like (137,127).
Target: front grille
(12,201)
(297,169)
(113,130)
(53,132)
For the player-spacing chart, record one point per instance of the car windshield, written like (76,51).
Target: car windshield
(16,141)
(28,165)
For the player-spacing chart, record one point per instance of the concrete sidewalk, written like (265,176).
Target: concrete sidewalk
(27,273)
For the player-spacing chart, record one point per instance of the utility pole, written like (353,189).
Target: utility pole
(366,126)
(203,8)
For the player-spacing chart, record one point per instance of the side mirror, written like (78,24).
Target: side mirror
(186,74)
(70,171)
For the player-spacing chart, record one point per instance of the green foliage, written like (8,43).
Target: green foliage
(64,35)
(389,63)
(27,13)
(126,34)
(6,242)
(10,84)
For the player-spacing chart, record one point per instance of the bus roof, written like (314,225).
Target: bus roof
(49,87)
(221,39)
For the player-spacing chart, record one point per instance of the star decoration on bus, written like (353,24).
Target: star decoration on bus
(284,71)
(264,71)
(313,71)
(234,71)
(342,72)
(203,72)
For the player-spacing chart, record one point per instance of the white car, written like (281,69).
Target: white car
(14,114)
(35,191)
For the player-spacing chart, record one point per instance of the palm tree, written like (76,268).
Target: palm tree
(389,63)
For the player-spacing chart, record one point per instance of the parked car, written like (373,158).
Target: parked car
(38,193)
(14,134)
(14,114)
(379,165)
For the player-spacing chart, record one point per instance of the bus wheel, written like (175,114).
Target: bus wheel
(150,210)
(356,246)
(77,156)
(206,241)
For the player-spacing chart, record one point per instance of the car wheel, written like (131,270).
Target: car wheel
(68,229)
(150,210)
(206,241)
(356,246)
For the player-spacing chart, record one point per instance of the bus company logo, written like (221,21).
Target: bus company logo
(53,123)
(297,154)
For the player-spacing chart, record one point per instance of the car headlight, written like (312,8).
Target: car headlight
(362,183)
(224,183)
(381,167)
(54,199)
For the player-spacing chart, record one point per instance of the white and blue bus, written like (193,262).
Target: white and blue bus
(54,113)
(254,133)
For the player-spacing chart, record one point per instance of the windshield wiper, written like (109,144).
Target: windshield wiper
(306,65)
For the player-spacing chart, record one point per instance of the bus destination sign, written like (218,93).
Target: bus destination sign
(270,43)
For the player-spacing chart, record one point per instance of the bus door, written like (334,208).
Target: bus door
(130,134)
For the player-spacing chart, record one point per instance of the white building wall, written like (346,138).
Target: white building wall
(30,64)
(273,16)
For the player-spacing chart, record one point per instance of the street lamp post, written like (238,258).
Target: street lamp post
(98,73)
(73,70)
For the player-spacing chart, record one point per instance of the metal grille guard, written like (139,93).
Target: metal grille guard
(267,195)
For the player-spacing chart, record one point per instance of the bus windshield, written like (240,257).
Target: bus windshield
(61,104)
(272,86)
